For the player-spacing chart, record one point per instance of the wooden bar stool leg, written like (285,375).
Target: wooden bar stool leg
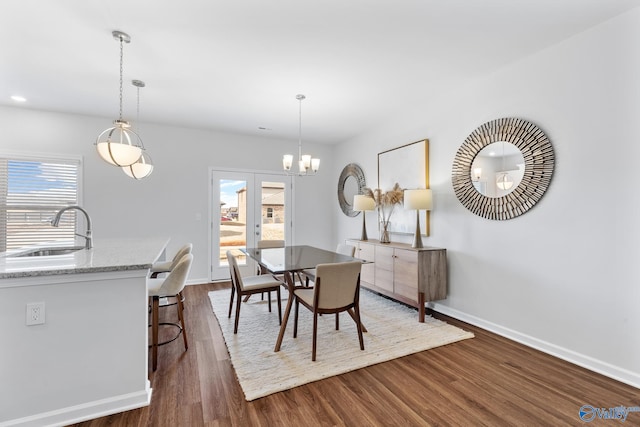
(184,330)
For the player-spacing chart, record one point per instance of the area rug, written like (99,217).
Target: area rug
(393,331)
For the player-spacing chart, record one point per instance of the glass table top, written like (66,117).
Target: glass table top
(294,258)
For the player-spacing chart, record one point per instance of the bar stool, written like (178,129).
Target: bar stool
(162,267)
(166,266)
(170,286)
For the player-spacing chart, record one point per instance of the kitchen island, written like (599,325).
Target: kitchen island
(89,357)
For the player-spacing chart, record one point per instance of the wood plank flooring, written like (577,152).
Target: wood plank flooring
(487,380)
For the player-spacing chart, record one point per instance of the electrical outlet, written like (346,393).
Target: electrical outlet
(35,313)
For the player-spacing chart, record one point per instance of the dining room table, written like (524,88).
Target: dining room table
(290,262)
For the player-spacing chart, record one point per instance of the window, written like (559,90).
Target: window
(32,190)
(269,212)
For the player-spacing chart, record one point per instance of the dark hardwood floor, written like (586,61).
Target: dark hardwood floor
(488,380)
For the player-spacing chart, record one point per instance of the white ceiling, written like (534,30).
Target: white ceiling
(237,65)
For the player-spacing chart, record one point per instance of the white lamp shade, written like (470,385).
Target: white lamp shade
(363,203)
(140,169)
(287,161)
(306,159)
(119,145)
(315,164)
(417,199)
(477,173)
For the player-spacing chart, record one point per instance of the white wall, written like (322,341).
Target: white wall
(564,276)
(168,202)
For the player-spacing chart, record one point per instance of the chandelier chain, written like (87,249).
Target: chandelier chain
(138,110)
(121,71)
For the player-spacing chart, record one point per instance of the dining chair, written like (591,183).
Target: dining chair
(266,244)
(336,289)
(170,286)
(250,285)
(342,248)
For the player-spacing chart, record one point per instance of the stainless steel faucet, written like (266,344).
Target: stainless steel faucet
(56,220)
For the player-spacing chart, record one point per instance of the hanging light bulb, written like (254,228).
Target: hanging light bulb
(305,162)
(119,145)
(143,167)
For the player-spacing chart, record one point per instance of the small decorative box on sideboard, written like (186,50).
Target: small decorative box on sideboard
(412,276)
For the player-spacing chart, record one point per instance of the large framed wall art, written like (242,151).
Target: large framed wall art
(407,165)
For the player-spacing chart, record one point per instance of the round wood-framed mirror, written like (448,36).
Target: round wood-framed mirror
(350,183)
(539,160)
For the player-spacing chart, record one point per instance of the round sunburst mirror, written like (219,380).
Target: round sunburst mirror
(511,197)
(350,183)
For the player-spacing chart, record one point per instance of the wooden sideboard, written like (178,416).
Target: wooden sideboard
(412,276)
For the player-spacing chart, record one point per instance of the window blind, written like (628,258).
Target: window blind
(31,192)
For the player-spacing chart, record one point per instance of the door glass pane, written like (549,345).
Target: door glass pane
(272,209)
(233,219)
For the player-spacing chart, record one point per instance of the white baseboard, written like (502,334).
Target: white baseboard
(587,362)
(86,411)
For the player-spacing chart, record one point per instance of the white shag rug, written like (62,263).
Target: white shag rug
(393,331)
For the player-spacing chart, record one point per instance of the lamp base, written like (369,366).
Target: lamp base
(363,236)
(417,237)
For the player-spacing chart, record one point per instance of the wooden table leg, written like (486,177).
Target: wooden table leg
(421,303)
(290,285)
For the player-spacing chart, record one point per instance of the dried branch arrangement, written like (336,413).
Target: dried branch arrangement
(386,202)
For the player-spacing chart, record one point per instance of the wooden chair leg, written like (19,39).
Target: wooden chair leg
(315,336)
(279,307)
(239,302)
(233,291)
(181,316)
(269,297)
(337,321)
(295,319)
(359,326)
(155,305)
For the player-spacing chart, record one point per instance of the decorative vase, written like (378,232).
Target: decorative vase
(384,232)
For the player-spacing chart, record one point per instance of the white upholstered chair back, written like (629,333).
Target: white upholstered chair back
(345,249)
(337,283)
(175,281)
(234,270)
(186,249)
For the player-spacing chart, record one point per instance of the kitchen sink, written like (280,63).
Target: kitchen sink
(61,250)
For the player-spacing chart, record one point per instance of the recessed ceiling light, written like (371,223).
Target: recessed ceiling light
(18,98)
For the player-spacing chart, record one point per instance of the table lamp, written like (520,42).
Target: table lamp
(417,199)
(363,203)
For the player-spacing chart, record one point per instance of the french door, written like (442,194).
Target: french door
(246,207)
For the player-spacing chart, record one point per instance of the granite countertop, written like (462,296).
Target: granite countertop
(106,255)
